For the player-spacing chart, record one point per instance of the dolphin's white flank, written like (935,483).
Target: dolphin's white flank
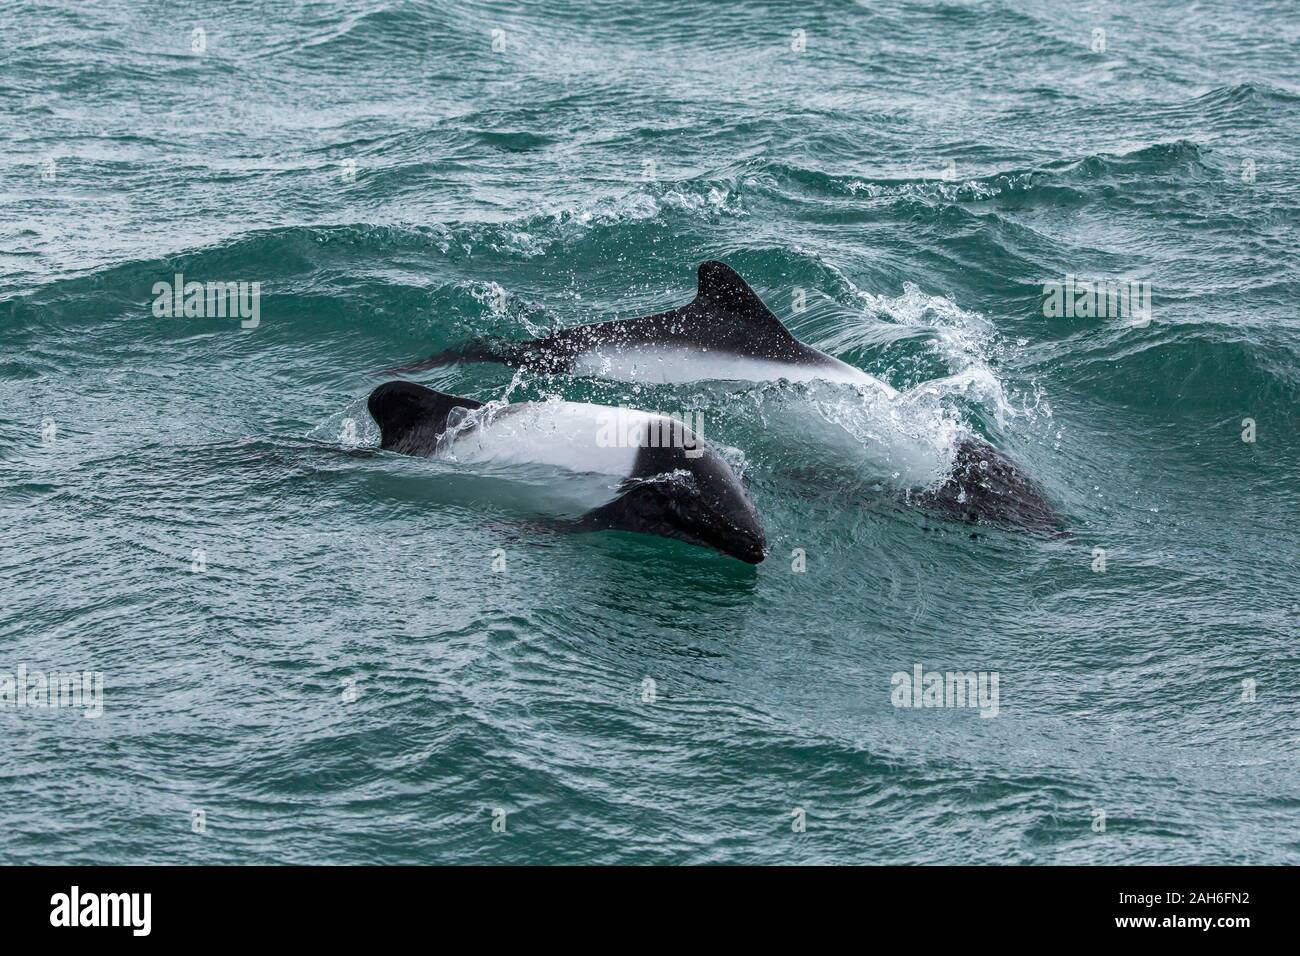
(672,366)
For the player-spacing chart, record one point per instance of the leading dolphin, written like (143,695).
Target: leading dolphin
(726,332)
(670,482)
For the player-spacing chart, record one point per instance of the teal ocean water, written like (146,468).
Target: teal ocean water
(314,651)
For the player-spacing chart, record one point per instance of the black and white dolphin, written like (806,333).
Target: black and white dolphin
(725,333)
(669,481)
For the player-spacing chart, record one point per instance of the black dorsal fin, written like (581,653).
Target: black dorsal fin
(406,411)
(722,288)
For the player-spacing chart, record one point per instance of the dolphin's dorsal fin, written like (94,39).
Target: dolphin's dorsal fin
(721,288)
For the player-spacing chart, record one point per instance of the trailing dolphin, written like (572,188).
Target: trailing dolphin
(726,332)
(670,482)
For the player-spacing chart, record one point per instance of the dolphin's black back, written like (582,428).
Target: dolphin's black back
(680,487)
(726,315)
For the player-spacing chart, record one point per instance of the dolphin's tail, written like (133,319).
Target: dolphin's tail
(501,351)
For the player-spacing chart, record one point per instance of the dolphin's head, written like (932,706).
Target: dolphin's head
(411,417)
(986,487)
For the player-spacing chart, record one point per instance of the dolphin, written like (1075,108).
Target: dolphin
(725,333)
(669,482)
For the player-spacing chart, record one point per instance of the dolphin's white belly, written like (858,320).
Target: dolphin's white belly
(672,366)
(575,436)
